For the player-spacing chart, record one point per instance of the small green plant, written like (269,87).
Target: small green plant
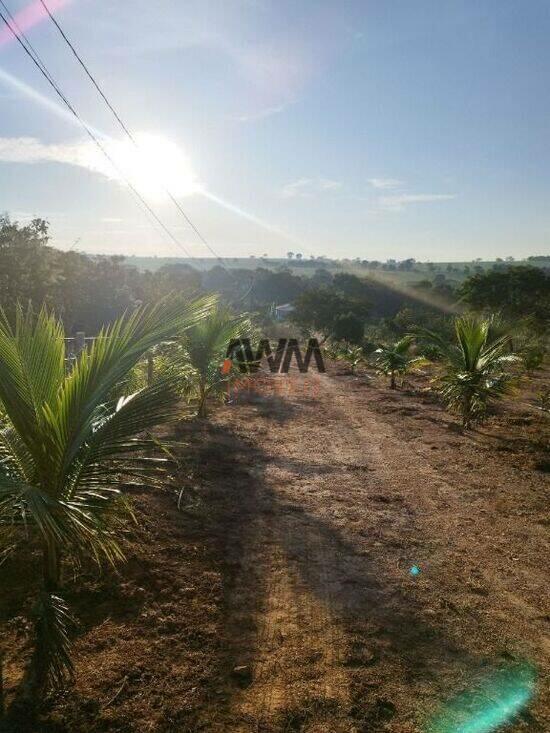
(476,368)
(396,359)
(205,346)
(533,355)
(352,355)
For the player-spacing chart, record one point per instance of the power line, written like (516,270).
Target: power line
(26,45)
(127,131)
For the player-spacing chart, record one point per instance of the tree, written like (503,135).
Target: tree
(206,346)
(290,255)
(27,271)
(518,291)
(299,255)
(476,368)
(349,327)
(396,359)
(275,287)
(70,443)
(178,277)
(321,276)
(317,309)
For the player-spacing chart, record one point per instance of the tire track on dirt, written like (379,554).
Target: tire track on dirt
(343,637)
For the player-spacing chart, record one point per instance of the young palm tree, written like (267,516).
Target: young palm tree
(476,369)
(69,446)
(350,353)
(395,359)
(205,345)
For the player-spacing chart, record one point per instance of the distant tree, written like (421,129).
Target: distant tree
(276,287)
(349,327)
(178,277)
(407,265)
(299,255)
(90,293)
(351,285)
(317,310)
(518,291)
(290,255)
(423,285)
(321,276)
(27,264)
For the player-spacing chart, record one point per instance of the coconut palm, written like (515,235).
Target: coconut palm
(205,345)
(350,353)
(476,369)
(396,359)
(69,445)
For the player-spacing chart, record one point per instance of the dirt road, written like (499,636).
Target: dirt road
(340,497)
(279,597)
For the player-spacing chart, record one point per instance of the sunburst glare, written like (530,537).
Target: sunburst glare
(156,165)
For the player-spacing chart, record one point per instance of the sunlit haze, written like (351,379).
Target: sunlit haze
(370,130)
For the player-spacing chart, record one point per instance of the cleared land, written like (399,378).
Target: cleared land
(279,597)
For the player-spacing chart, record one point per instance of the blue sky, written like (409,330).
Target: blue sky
(376,129)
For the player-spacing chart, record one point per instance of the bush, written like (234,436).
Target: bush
(348,327)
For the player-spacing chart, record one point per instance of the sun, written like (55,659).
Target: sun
(154,165)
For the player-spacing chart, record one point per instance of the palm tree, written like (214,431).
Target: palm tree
(394,359)
(70,444)
(205,345)
(350,353)
(475,368)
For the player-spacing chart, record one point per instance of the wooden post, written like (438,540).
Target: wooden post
(150,369)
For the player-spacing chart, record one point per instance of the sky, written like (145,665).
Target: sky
(360,128)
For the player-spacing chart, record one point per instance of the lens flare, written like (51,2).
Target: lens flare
(492,703)
(28,17)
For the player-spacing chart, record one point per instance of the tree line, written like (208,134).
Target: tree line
(87,292)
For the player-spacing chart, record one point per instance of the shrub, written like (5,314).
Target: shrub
(475,369)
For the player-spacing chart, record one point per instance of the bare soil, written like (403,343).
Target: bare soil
(279,597)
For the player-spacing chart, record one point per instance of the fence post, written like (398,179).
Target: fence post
(79,342)
(150,368)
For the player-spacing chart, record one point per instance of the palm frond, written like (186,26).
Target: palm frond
(31,373)
(205,345)
(53,646)
(475,370)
